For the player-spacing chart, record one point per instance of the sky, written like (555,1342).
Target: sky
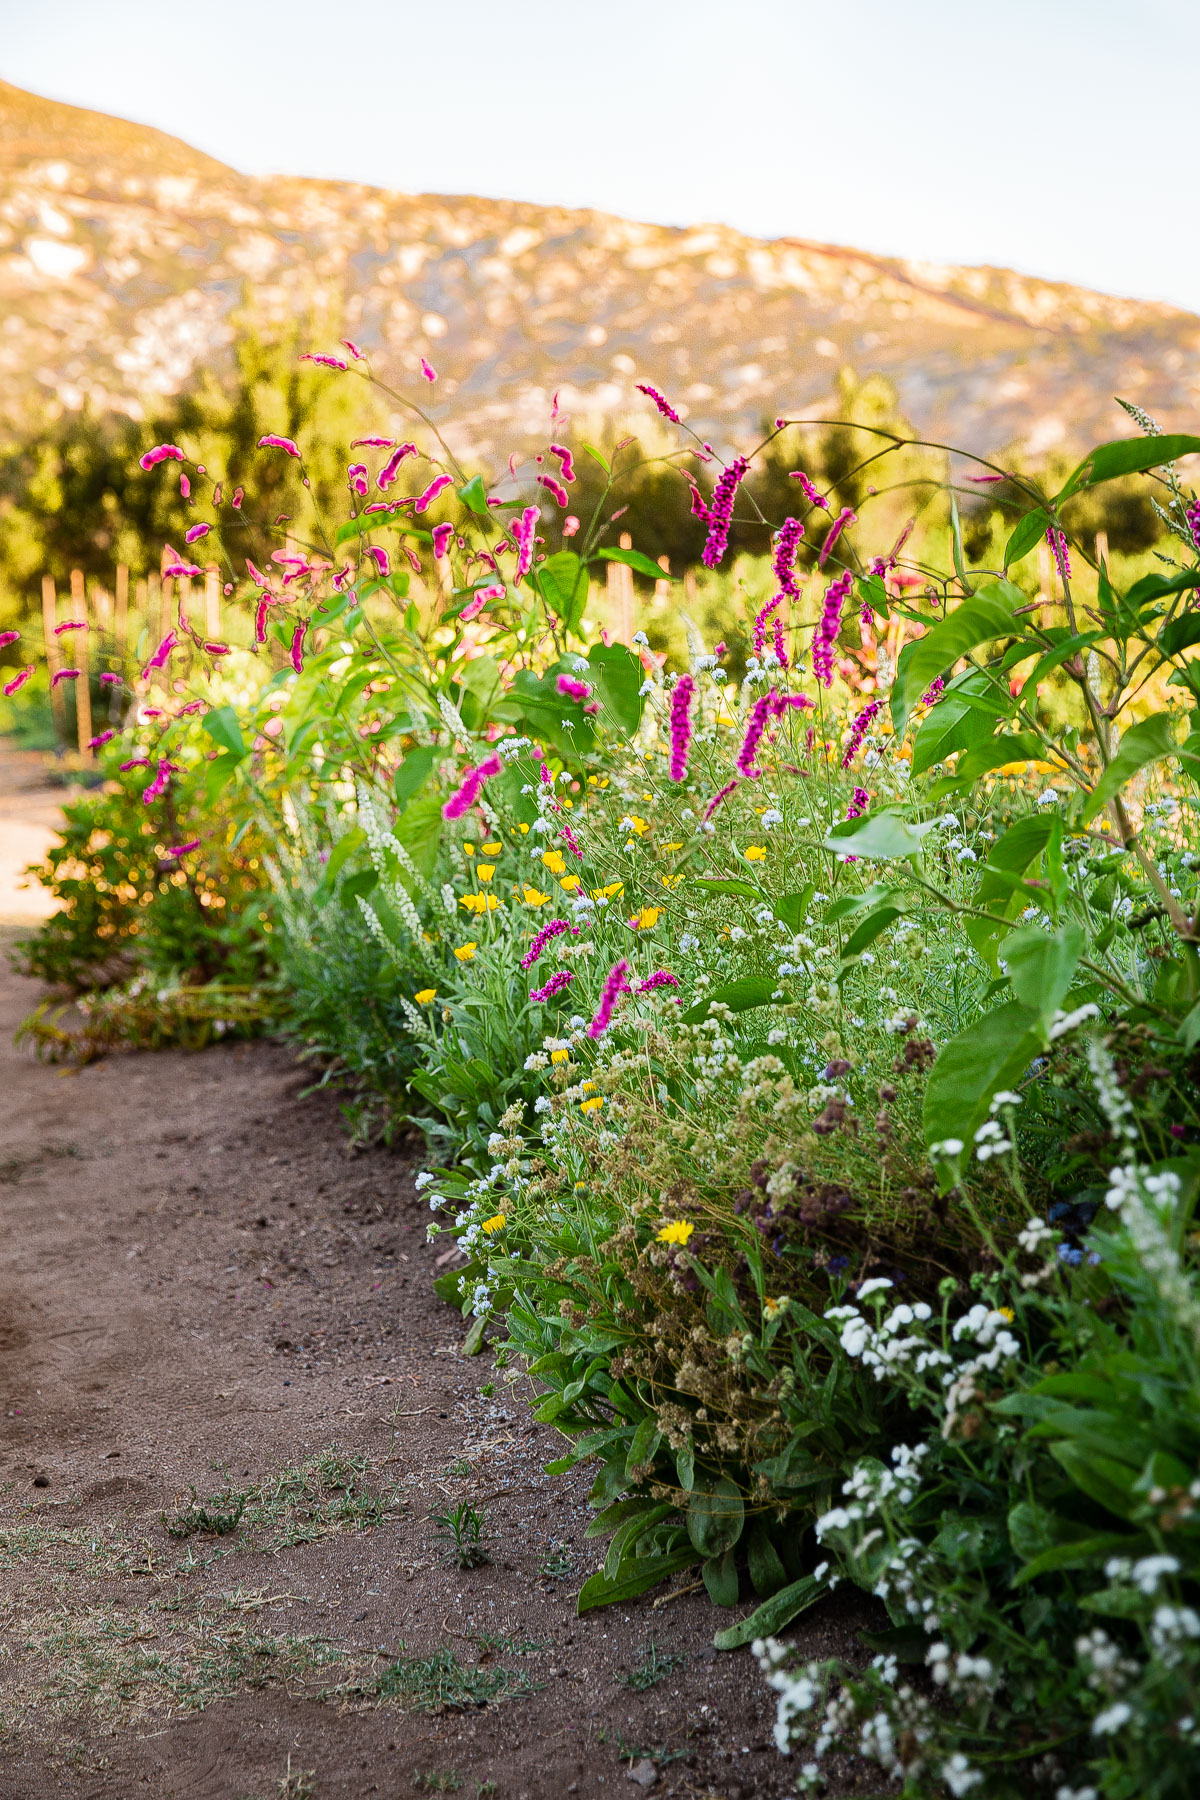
(1056,137)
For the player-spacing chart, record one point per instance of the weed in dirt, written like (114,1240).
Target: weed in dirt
(495,1643)
(329,1493)
(659,1754)
(437,1781)
(462,1534)
(217,1516)
(460,1467)
(440,1683)
(558,1564)
(655,1665)
(13,1167)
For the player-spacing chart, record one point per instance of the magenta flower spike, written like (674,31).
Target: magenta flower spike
(297,650)
(571,689)
(441,539)
(681,726)
(18,680)
(546,935)
(326,362)
(808,490)
(660,978)
(615,984)
(555,487)
(561,978)
(566,459)
(7,638)
(161,453)
(846,517)
(720,512)
(466,795)
(830,625)
(272,441)
(664,406)
(194,533)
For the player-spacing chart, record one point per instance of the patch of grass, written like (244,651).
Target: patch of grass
(494,1643)
(437,1781)
(462,1533)
(329,1493)
(440,1683)
(659,1754)
(13,1167)
(217,1516)
(655,1665)
(558,1564)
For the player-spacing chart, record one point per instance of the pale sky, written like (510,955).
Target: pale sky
(1057,137)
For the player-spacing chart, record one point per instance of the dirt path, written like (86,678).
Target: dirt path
(201,1287)
(29,814)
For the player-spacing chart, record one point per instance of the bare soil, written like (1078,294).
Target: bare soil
(202,1286)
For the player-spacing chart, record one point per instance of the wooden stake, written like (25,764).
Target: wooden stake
(184,590)
(1102,548)
(53,660)
(212,601)
(83,661)
(166,602)
(662,589)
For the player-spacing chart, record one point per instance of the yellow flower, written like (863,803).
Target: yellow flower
(638,824)
(755,853)
(468,849)
(671,882)
(479,903)
(553,860)
(773,1308)
(592,1105)
(425,996)
(646,919)
(533,897)
(606,893)
(491,849)
(485,871)
(569,883)
(585,1087)
(678,846)
(465,952)
(581,1184)
(524,830)
(592,780)
(678,1233)
(496,1224)
(1006,1312)
(559,1055)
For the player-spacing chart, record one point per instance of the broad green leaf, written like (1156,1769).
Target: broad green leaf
(720,1578)
(738,996)
(597,457)
(223,728)
(1067,647)
(715,1517)
(563,584)
(598,1590)
(865,933)
(773,1614)
(1180,634)
(1041,968)
(219,772)
(871,592)
(1157,587)
(1021,845)
(419,829)
(953,723)
(790,909)
(1143,743)
(1081,1554)
(880,837)
(1009,747)
(849,904)
(1100,1477)
(1127,456)
(634,559)
(985,616)
(473,495)
(1029,531)
(620,677)
(644,1443)
(767,1572)
(414,772)
(992,1053)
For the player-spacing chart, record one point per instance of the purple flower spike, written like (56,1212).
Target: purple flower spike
(720,513)
(560,979)
(681,726)
(615,985)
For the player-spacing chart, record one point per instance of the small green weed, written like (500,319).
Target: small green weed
(462,1534)
(217,1516)
(558,1564)
(327,1494)
(654,1666)
(440,1683)
(437,1781)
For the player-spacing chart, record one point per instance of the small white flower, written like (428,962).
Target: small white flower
(639,637)
(947,1150)
(1111,1719)
(1048,797)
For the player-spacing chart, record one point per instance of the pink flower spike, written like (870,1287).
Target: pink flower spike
(217,649)
(681,726)
(427,372)
(158,785)
(7,638)
(431,493)
(561,978)
(195,532)
(184,849)
(372,443)
(273,441)
(664,406)
(570,526)
(260,621)
(237,497)
(18,680)
(556,488)
(185,486)
(523,530)
(573,690)
(356,353)
(554,929)
(111,680)
(358,477)
(64,675)
(70,625)
(161,453)
(567,460)
(173,570)
(830,624)
(297,651)
(465,796)
(720,513)
(809,491)
(846,517)
(615,984)
(474,607)
(135,762)
(380,558)
(103,737)
(159,659)
(987,477)
(660,978)
(387,474)
(326,362)
(441,538)
(718,800)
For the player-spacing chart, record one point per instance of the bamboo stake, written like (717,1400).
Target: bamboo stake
(53,661)
(212,601)
(83,660)
(662,589)
(166,601)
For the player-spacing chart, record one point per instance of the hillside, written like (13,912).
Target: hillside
(125,255)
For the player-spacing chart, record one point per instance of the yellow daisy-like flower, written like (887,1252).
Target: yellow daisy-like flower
(585,1087)
(755,853)
(1006,1312)
(465,952)
(425,996)
(468,849)
(553,860)
(524,830)
(593,1104)
(491,849)
(569,883)
(607,893)
(534,897)
(485,871)
(671,882)
(678,846)
(677,1233)
(646,919)
(559,1056)
(496,1224)
(479,903)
